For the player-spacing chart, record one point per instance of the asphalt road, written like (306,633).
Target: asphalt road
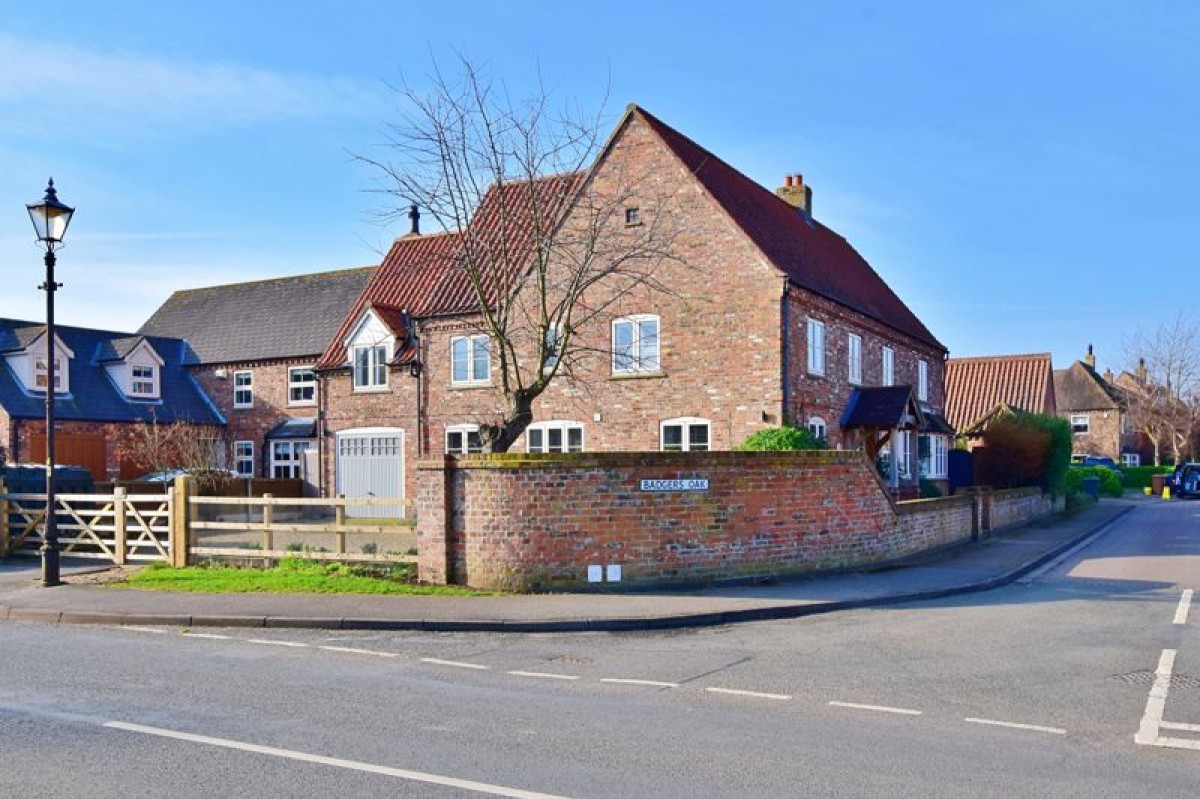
(1038,689)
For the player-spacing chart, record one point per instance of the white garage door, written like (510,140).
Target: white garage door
(370,463)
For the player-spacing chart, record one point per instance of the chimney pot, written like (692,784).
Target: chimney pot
(787,181)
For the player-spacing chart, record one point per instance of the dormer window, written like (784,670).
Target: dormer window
(40,371)
(144,381)
(369,349)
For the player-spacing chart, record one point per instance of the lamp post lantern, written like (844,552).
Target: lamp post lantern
(50,220)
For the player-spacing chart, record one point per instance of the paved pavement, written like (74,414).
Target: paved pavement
(969,568)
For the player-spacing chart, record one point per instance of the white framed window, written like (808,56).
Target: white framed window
(934,456)
(243,458)
(143,381)
(287,459)
(40,371)
(463,439)
(888,377)
(1081,423)
(302,385)
(554,343)
(816,347)
(903,452)
(817,426)
(554,437)
(243,389)
(854,358)
(685,435)
(635,344)
(1131,459)
(470,359)
(922,380)
(370,366)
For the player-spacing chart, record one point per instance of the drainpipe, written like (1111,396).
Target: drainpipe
(322,382)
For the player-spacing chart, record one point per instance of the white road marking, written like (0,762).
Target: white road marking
(350,650)
(652,683)
(881,708)
(455,663)
(211,636)
(1016,726)
(1152,721)
(273,642)
(153,630)
(544,675)
(353,765)
(1173,725)
(739,692)
(1185,603)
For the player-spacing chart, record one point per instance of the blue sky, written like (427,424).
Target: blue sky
(1022,174)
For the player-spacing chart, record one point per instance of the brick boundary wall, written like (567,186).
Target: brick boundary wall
(537,522)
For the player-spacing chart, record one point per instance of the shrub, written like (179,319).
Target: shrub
(1110,484)
(927,489)
(1139,476)
(781,439)
(1025,449)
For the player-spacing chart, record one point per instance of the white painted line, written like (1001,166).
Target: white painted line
(153,630)
(350,650)
(1147,733)
(1016,726)
(652,683)
(1179,743)
(544,675)
(1185,603)
(755,694)
(272,642)
(881,708)
(353,765)
(211,636)
(456,664)
(1174,725)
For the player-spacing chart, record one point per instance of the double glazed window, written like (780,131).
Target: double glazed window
(685,435)
(243,458)
(854,357)
(370,366)
(40,371)
(302,386)
(922,380)
(243,389)
(817,426)
(142,381)
(287,458)
(635,345)
(553,347)
(888,378)
(470,359)
(554,437)
(934,456)
(1081,423)
(463,439)
(816,347)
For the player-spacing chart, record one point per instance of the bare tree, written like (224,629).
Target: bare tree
(547,241)
(1164,395)
(159,447)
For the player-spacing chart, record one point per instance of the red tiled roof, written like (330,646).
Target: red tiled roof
(810,254)
(976,386)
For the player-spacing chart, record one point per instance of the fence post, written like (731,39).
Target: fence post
(118,505)
(339,519)
(4,534)
(268,518)
(181,538)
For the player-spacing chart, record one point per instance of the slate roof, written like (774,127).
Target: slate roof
(1079,388)
(288,317)
(975,387)
(880,408)
(302,428)
(810,254)
(93,395)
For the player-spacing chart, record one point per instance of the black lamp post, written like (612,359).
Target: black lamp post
(50,219)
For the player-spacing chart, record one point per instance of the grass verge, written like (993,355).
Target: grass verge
(291,576)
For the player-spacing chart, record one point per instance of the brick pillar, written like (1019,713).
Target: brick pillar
(435,500)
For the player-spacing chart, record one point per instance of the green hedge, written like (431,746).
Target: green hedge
(1110,484)
(781,439)
(1139,476)
(1025,449)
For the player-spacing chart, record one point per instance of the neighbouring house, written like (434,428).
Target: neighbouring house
(980,389)
(105,382)
(1095,408)
(771,318)
(1160,427)
(255,345)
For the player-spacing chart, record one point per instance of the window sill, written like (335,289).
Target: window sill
(302,404)
(371,390)
(243,407)
(638,375)
(469,386)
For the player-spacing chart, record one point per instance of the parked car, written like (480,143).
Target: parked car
(1107,463)
(1186,481)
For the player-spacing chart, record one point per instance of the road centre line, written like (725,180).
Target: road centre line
(210,636)
(353,765)
(350,650)
(273,642)
(880,708)
(739,692)
(651,683)
(1185,603)
(455,663)
(153,630)
(1016,726)
(544,675)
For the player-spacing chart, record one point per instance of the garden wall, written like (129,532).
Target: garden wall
(527,522)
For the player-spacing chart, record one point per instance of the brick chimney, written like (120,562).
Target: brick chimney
(1090,358)
(795,193)
(1141,374)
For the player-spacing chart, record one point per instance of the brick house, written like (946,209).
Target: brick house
(255,345)
(772,318)
(1095,407)
(978,389)
(106,382)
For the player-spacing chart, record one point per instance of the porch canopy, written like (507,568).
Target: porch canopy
(875,411)
(293,429)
